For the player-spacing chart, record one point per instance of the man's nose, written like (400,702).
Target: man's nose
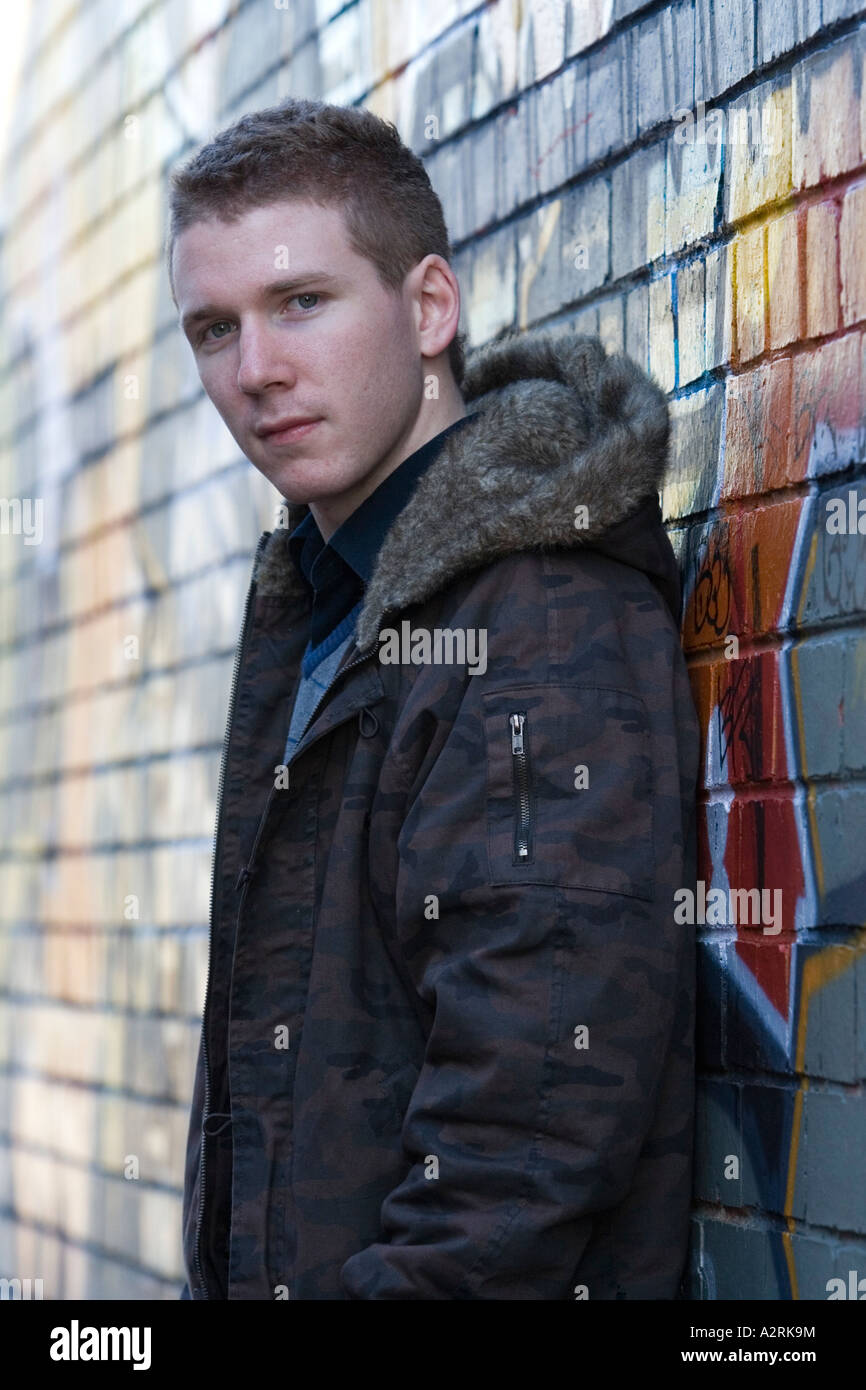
(264,359)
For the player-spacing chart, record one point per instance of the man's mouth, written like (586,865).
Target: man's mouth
(286,431)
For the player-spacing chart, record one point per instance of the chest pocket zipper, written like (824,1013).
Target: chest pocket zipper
(522,801)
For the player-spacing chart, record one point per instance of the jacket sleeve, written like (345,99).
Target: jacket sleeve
(535,912)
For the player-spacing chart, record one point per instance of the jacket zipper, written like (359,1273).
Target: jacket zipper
(220,789)
(242,879)
(520,772)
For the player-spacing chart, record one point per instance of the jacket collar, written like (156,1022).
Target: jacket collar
(556,423)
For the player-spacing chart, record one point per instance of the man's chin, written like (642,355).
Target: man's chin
(296,480)
(307,480)
(293,491)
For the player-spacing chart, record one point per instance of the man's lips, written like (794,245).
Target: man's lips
(284,431)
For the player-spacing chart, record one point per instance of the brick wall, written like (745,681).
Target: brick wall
(576,150)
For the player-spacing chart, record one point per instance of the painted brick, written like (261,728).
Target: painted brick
(839,818)
(711,968)
(758,436)
(738,1262)
(719,308)
(852,238)
(761,541)
(638,211)
(345,58)
(765,1116)
(650,63)
(749,726)
(758,148)
(584,239)
(694,170)
(496,61)
(253,39)
(489,282)
(637,325)
(451,173)
(515,182)
(542,276)
(818,669)
(852,703)
(827,407)
(837,579)
(696,429)
(781,25)
(717,1139)
(662,349)
(550,139)
(826,113)
(691,335)
(575,97)
(834,1129)
(585,321)
(622,9)
(586,25)
(550,123)
(752,1042)
(749,254)
(610,120)
(611,327)
(678,23)
(822,279)
(724,45)
(783,279)
(819,1258)
(835,10)
(541,41)
(830,980)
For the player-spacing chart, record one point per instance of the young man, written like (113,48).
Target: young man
(447,1046)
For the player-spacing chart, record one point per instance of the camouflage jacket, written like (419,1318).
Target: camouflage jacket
(447,1045)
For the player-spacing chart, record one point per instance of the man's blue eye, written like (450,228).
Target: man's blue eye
(209,333)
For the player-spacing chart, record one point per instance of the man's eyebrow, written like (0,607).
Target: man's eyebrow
(207,311)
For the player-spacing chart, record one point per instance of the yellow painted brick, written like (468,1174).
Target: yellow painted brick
(758,146)
(783,275)
(749,253)
(822,291)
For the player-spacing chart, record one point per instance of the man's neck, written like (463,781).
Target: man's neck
(331,513)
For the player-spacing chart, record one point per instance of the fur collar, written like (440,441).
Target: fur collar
(556,424)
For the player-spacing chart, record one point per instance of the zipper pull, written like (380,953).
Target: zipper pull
(244,877)
(516,722)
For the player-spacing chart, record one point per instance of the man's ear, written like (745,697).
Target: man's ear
(436,301)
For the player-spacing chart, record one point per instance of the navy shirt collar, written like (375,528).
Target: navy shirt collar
(338,570)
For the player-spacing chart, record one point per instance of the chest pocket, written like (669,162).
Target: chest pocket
(570,788)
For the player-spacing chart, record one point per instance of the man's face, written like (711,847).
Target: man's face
(291,324)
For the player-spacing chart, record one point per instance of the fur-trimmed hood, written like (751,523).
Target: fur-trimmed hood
(555,424)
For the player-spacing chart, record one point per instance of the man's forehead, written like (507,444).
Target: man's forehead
(290,240)
(296,216)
